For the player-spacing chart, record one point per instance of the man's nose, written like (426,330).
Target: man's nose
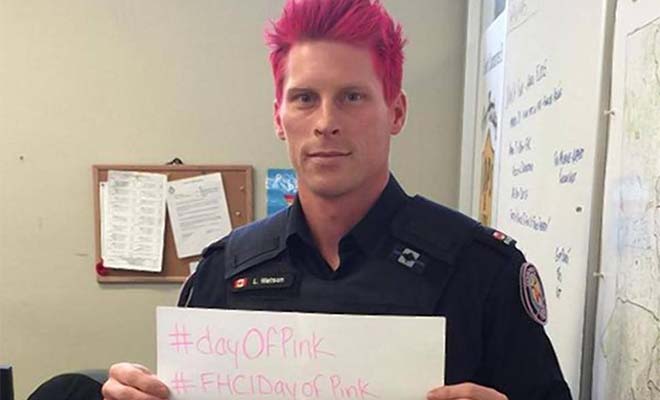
(327,121)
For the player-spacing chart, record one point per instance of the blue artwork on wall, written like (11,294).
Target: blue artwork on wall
(281,189)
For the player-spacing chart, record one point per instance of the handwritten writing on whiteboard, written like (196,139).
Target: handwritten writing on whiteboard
(564,159)
(519,193)
(519,86)
(230,354)
(543,103)
(520,146)
(562,260)
(520,11)
(567,177)
(523,167)
(534,222)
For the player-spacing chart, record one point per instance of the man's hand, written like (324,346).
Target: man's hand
(464,391)
(133,382)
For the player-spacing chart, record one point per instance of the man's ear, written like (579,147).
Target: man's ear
(279,130)
(399,110)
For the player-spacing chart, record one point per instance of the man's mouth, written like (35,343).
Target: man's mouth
(329,154)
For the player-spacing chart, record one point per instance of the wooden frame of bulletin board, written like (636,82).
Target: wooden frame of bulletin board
(237,180)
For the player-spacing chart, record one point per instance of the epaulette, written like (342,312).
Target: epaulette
(434,229)
(255,243)
(215,246)
(496,240)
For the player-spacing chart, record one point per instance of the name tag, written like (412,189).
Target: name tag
(265,281)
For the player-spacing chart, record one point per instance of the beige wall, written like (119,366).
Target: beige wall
(124,81)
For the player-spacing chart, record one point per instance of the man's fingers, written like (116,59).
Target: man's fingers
(464,391)
(114,390)
(141,368)
(148,384)
(136,377)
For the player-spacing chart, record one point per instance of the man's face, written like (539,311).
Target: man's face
(334,118)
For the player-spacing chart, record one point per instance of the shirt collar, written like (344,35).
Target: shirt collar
(371,228)
(296,224)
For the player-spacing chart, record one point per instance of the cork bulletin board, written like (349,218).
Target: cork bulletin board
(238,186)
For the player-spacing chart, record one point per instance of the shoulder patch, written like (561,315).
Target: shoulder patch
(532,293)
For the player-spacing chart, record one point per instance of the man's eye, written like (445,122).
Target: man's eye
(354,96)
(304,98)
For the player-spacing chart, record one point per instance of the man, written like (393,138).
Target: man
(353,241)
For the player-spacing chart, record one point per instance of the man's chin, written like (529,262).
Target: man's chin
(329,187)
(329,192)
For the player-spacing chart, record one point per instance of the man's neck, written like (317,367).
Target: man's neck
(329,219)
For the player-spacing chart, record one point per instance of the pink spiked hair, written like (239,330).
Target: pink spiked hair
(358,22)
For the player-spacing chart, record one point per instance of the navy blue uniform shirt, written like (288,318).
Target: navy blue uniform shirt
(407,256)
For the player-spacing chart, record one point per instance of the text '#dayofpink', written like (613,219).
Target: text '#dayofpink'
(255,343)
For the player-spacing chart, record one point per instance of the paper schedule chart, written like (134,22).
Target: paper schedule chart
(133,220)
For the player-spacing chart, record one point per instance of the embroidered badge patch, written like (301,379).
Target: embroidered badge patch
(240,283)
(409,258)
(532,294)
(504,238)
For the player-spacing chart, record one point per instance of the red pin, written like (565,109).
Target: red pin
(100,269)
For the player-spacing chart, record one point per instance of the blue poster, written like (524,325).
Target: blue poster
(281,189)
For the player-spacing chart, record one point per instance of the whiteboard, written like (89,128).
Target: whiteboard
(627,345)
(552,94)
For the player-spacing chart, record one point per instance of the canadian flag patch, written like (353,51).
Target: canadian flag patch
(240,283)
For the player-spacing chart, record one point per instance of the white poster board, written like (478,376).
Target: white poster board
(489,118)
(230,354)
(627,348)
(553,68)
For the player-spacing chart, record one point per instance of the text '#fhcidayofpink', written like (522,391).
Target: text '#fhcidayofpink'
(263,386)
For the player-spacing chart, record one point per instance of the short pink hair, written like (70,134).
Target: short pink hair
(359,22)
